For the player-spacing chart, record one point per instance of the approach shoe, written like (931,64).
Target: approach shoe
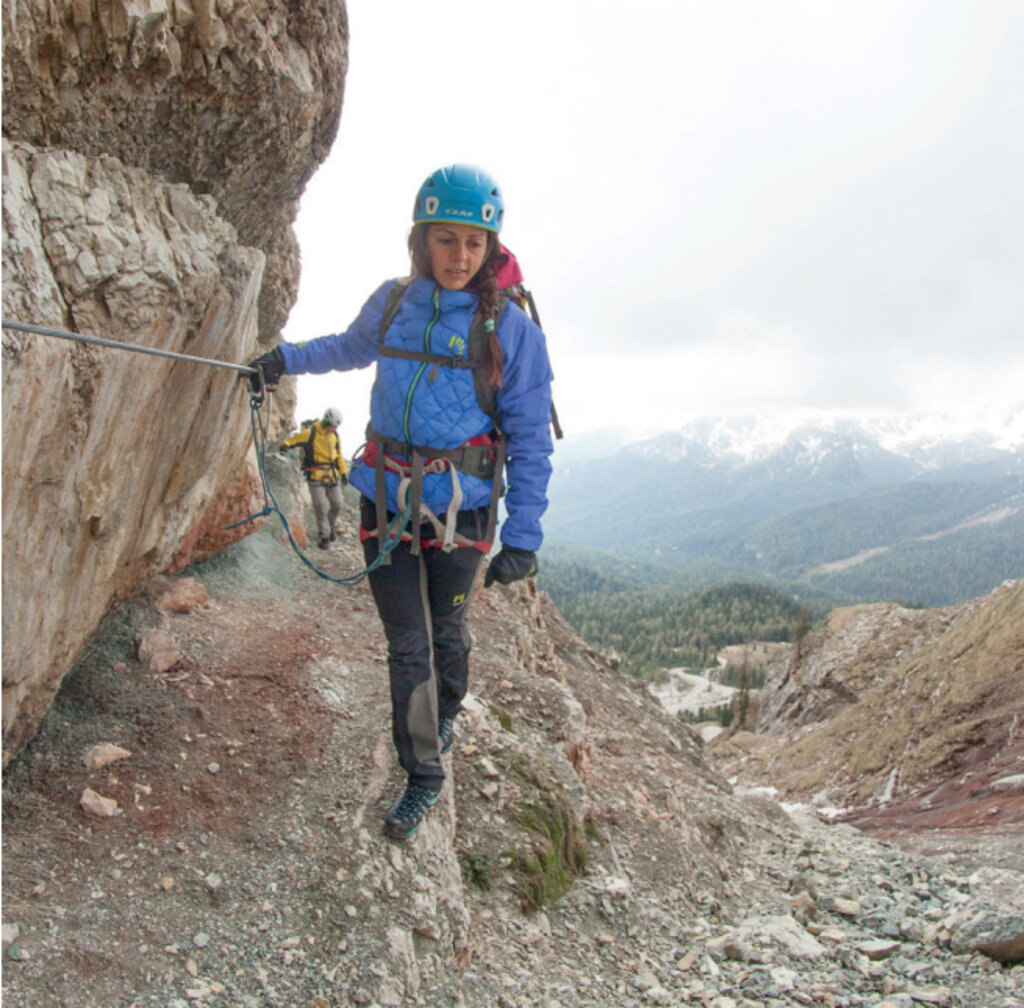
(404,818)
(324,543)
(333,535)
(446,733)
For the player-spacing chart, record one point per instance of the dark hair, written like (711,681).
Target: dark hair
(484,285)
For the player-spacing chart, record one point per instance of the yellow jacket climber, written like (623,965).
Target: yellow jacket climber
(322,461)
(325,469)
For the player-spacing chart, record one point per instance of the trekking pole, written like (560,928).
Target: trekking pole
(115,345)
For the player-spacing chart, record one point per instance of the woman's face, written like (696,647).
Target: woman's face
(457,251)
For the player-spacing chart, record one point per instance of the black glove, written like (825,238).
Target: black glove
(344,479)
(272,366)
(510,565)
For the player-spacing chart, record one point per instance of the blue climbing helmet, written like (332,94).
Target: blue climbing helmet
(463,194)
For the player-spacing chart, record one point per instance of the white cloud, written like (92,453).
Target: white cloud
(787,204)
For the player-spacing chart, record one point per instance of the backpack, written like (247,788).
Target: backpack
(309,464)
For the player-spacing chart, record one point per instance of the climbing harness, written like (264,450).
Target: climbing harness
(256,399)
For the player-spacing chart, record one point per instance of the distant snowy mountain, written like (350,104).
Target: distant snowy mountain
(835,501)
(930,439)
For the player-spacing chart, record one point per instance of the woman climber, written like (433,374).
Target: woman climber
(463,390)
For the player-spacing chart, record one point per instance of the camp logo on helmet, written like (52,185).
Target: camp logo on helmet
(430,205)
(457,212)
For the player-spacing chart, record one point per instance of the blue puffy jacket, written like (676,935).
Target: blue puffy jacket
(437,406)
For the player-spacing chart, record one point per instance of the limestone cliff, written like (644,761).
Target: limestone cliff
(154,155)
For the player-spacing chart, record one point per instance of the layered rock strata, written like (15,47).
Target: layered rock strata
(154,155)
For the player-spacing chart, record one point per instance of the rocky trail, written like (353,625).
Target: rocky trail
(585,851)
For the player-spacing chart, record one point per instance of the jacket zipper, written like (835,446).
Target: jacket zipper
(423,367)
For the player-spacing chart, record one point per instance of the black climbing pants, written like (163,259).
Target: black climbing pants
(422,601)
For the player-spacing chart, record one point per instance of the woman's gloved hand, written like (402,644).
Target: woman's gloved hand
(510,565)
(272,366)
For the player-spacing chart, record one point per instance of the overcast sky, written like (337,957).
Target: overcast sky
(725,207)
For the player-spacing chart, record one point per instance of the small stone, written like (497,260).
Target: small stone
(877,949)
(96,805)
(213,881)
(645,980)
(213,768)
(158,650)
(846,907)
(1015,782)
(103,753)
(182,595)
(489,769)
(617,887)
(10,935)
(931,995)
(167,883)
(201,939)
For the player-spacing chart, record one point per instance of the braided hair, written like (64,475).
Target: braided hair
(484,285)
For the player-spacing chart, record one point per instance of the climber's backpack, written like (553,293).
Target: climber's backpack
(309,464)
(483,458)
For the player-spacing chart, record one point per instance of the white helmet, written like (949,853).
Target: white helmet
(332,418)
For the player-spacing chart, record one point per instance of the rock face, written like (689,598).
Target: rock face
(153,159)
(887,705)
(239,99)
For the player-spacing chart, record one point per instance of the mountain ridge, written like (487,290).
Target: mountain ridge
(748,437)
(824,494)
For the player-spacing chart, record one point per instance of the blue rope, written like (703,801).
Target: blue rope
(270,506)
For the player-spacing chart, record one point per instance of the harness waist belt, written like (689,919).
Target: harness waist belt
(484,461)
(472,459)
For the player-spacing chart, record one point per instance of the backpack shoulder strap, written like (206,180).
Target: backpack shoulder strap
(307,449)
(392,304)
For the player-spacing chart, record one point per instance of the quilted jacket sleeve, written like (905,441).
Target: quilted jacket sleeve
(356,347)
(524,404)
